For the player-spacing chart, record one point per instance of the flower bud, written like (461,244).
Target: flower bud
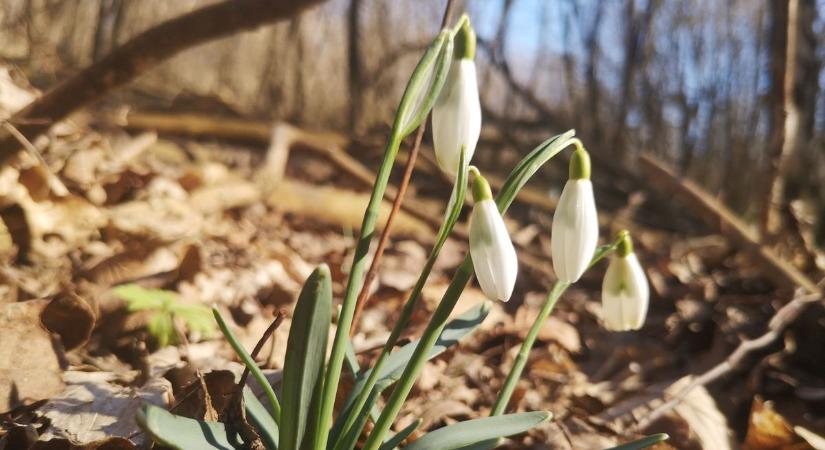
(492,252)
(575,222)
(625,292)
(456,115)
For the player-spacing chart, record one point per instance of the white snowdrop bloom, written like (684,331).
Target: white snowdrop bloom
(625,291)
(492,251)
(456,116)
(575,222)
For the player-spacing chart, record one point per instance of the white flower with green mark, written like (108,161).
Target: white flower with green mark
(492,251)
(575,222)
(456,115)
(625,291)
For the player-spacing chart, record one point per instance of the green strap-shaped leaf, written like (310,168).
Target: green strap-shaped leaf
(469,432)
(394,365)
(304,363)
(259,417)
(183,433)
(358,400)
(644,442)
(455,330)
(396,440)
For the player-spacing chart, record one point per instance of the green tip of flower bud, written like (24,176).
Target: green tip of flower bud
(481,189)
(580,165)
(465,41)
(625,244)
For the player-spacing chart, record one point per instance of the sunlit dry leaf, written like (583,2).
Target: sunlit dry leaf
(29,367)
(92,407)
(703,417)
(768,430)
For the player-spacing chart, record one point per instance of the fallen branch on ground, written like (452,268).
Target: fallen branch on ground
(778,323)
(719,217)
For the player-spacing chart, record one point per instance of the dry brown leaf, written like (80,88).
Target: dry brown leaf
(70,317)
(703,417)
(768,430)
(227,195)
(401,265)
(93,407)
(165,219)
(553,329)
(29,365)
(66,444)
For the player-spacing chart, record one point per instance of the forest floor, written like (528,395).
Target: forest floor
(224,224)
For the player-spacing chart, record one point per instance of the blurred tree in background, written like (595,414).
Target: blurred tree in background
(714,87)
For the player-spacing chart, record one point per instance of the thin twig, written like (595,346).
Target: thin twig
(385,233)
(781,319)
(54,183)
(279,318)
(396,204)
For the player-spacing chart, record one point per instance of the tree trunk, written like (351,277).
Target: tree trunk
(784,111)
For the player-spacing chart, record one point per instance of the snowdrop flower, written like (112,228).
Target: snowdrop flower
(491,250)
(625,293)
(575,222)
(457,112)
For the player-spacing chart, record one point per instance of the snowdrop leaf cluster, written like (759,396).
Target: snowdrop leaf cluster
(444,83)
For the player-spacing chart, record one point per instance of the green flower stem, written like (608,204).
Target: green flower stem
(517,179)
(250,364)
(521,360)
(524,352)
(419,357)
(414,105)
(362,405)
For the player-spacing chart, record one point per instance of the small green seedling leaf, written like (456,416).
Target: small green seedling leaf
(644,442)
(304,362)
(139,298)
(162,329)
(469,432)
(166,308)
(183,433)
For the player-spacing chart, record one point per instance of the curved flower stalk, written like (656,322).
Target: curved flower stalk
(456,116)
(575,222)
(625,292)
(517,179)
(492,251)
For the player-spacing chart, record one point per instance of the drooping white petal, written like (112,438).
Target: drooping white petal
(492,252)
(457,116)
(575,230)
(625,294)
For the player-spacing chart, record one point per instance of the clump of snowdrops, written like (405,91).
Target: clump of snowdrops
(302,416)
